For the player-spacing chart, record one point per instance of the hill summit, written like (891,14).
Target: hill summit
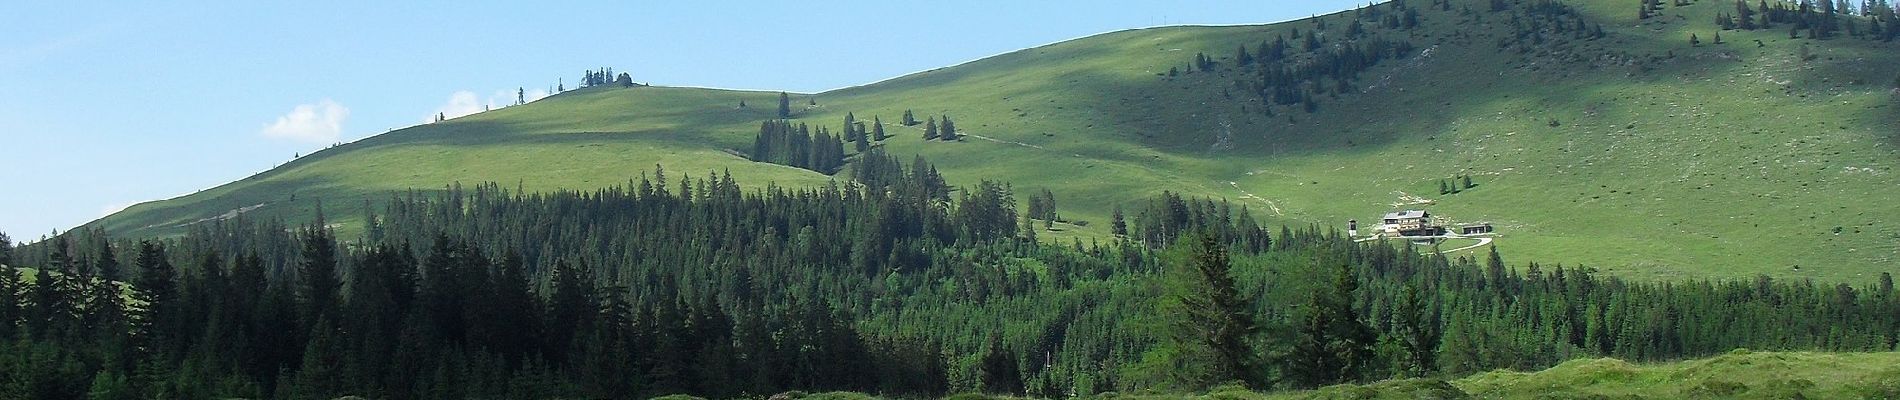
(1655,140)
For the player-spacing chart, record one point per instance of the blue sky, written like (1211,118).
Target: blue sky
(106,104)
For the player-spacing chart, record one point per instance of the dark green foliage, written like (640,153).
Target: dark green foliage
(1169,217)
(6,247)
(1118,224)
(1416,332)
(319,284)
(909,119)
(930,129)
(784,105)
(999,371)
(10,302)
(987,212)
(948,130)
(1333,344)
(1694,41)
(1213,332)
(877,128)
(881,284)
(779,142)
(1042,206)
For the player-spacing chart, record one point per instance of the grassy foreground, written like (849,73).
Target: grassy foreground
(1738,375)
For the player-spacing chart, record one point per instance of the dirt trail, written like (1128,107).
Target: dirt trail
(1246,195)
(1482,240)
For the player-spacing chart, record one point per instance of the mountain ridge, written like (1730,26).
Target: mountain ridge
(1099,122)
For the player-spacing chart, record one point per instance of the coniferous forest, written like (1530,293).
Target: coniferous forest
(891,284)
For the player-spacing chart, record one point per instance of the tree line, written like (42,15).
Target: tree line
(891,283)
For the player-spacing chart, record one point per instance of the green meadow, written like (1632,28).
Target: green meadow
(1637,153)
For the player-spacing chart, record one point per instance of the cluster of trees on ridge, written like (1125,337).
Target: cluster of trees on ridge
(1821,19)
(893,283)
(781,142)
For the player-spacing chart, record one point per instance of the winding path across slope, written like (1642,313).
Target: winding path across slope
(1482,240)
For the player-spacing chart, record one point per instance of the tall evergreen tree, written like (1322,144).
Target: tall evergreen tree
(998,369)
(930,129)
(1118,224)
(784,105)
(948,130)
(319,284)
(1213,336)
(1333,344)
(1413,328)
(105,262)
(10,311)
(163,317)
(6,249)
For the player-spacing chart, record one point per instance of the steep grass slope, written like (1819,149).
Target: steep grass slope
(1635,153)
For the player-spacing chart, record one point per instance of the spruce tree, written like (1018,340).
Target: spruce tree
(1212,337)
(6,247)
(1333,344)
(877,129)
(930,129)
(998,370)
(948,130)
(105,263)
(1416,334)
(319,284)
(784,105)
(158,289)
(10,312)
(1118,225)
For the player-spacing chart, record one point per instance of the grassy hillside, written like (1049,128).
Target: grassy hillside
(1738,375)
(1635,153)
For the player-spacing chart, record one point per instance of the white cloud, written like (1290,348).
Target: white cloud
(463,102)
(460,103)
(321,122)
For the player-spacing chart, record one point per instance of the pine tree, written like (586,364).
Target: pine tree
(1333,344)
(6,249)
(948,130)
(930,129)
(105,262)
(1213,337)
(784,105)
(158,289)
(317,274)
(1416,335)
(909,119)
(877,129)
(10,303)
(1117,223)
(998,370)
